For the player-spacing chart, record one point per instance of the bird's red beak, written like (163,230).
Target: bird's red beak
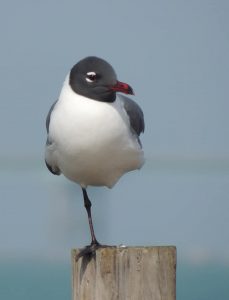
(123,88)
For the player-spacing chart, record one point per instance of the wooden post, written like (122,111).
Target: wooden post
(125,273)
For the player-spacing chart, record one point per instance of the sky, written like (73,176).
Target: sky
(175,56)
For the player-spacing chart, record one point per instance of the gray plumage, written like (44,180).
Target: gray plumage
(135,114)
(53,169)
(49,116)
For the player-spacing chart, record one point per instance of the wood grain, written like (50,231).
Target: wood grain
(125,273)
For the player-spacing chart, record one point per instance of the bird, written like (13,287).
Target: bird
(93,131)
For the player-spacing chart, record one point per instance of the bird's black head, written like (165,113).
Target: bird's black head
(94,78)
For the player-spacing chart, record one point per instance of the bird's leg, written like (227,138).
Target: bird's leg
(87,204)
(89,250)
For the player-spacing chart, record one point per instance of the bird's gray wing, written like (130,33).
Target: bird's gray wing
(49,116)
(53,168)
(135,114)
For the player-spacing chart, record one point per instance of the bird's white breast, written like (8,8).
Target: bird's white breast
(92,141)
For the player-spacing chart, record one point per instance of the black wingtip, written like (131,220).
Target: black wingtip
(55,172)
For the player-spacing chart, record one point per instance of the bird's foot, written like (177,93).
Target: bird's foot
(90,250)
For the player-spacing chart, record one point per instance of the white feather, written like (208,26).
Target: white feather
(91,141)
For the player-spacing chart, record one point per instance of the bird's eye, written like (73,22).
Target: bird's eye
(91,76)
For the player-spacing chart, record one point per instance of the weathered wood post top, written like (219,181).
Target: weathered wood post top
(125,273)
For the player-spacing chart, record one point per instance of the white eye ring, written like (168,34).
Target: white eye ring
(91,76)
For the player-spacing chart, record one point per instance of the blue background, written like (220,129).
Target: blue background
(175,56)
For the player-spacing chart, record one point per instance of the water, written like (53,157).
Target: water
(205,282)
(30,280)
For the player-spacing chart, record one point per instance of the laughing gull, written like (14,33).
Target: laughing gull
(93,132)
